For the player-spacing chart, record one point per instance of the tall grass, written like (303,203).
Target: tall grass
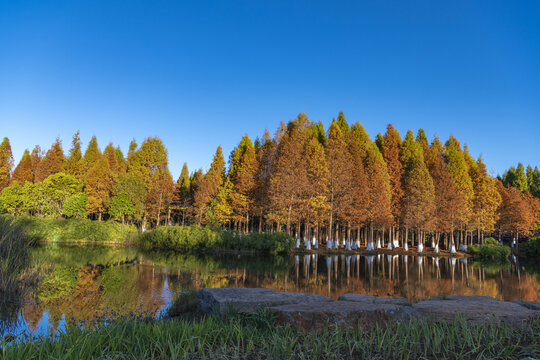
(77,230)
(258,336)
(196,238)
(14,263)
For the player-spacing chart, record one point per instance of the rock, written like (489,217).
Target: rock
(249,300)
(369,299)
(533,305)
(317,315)
(474,309)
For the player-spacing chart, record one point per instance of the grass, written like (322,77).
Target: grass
(196,238)
(258,336)
(77,230)
(14,263)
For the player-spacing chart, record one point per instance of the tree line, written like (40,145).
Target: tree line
(333,186)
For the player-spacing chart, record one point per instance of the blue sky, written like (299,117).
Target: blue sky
(203,73)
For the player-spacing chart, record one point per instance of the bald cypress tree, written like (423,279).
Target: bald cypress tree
(209,186)
(242,175)
(23,171)
(265,167)
(447,201)
(91,155)
(315,207)
(74,162)
(390,149)
(36,157)
(182,199)
(418,204)
(458,169)
(98,186)
(6,163)
(340,181)
(486,200)
(52,162)
(289,179)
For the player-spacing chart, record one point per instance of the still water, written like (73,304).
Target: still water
(80,283)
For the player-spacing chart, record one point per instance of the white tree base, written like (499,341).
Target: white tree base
(452,249)
(406,247)
(420,248)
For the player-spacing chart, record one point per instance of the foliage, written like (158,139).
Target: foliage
(532,247)
(259,335)
(194,238)
(77,230)
(491,249)
(75,206)
(6,163)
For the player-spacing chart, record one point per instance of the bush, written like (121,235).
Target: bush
(490,250)
(196,238)
(77,230)
(532,247)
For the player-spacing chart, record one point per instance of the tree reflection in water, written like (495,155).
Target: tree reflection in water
(81,283)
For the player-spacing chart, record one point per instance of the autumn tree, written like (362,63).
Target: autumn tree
(340,181)
(74,162)
(265,167)
(288,181)
(418,203)
(36,157)
(458,169)
(390,149)
(486,200)
(52,163)
(182,198)
(515,214)
(23,171)
(98,187)
(6,163)
(447,200)
(209,186)
(242,175)
(91,155)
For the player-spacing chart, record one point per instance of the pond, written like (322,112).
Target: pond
(84,283)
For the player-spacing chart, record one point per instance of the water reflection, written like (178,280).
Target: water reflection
(90,282)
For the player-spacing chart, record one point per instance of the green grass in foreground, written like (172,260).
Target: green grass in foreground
(196,238)
(257,336)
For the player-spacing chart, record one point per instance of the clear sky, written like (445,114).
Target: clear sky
(201,73)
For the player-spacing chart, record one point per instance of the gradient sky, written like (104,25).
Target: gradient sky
(203,73)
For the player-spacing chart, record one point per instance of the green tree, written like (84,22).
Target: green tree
(91,155)
(520,181)
(75,206)
(6,163)
(132,185)
(58,188)
(12,199)
(121,206)
(23,171)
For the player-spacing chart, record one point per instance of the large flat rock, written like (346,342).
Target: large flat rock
(474,309)
(315,316)
(249,300)
(533,305)
(370,299)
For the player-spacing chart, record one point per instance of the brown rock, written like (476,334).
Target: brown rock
(474,309)
(249,300)
(342,314)
(369,299)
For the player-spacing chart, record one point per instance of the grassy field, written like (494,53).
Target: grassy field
(258,336)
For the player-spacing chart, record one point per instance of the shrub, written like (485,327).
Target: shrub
(196,238)
(532,247)
(77,230)
(490,250)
